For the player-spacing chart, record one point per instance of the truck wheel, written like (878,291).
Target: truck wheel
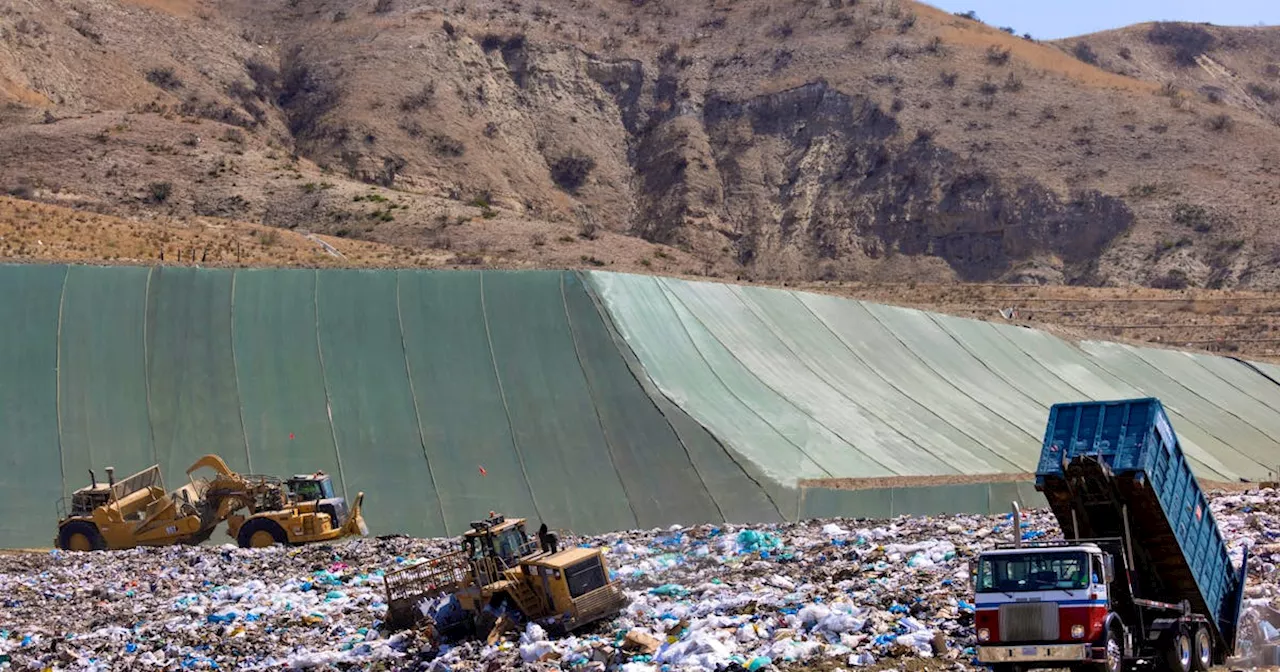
(1177,655)
(80,535)
(1202,650)
(1115,654)
(260,533)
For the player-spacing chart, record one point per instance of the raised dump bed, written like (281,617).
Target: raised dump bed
(1116,470)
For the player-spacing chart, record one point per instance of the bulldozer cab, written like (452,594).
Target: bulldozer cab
(311,488)
(496,544)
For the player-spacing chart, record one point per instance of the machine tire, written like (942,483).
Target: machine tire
(1201,650)
(80,535)
(1177,652)
(254,533)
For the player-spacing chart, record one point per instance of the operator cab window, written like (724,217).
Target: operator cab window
(306,490)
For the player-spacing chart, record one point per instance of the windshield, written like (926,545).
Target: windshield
(1015,572)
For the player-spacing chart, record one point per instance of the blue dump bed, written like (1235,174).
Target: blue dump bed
(1102,461)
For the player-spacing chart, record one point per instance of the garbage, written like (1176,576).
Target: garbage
(831,594)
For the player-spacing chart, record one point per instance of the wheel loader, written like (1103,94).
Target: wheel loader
(138,512)
(497,563)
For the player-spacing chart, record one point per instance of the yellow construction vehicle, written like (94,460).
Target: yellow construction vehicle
(138,512)
(561,590)
(302,510)
(134,512)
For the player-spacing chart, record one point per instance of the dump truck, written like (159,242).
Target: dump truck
(497,564)
(137,511)
(1142,572)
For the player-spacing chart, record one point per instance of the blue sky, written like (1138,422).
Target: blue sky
(1054,19)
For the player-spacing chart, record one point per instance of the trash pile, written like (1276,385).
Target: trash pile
(826,595)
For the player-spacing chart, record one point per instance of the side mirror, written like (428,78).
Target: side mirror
(1108,569)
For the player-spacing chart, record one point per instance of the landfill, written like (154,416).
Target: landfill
(843,594)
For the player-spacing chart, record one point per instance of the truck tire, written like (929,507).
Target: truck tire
(1201,650)
(1177,653)
(80,535)
(1115,652)
(260,533)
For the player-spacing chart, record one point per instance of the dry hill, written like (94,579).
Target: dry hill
(794,141)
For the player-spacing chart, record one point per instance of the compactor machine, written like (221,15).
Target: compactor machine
(497,563)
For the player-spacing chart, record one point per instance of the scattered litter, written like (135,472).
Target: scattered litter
(833,594)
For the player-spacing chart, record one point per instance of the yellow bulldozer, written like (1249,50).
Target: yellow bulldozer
(137,511)
(561,590)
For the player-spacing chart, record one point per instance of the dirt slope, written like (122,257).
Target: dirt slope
(793,141)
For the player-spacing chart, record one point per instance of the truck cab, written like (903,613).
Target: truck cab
(1041,606)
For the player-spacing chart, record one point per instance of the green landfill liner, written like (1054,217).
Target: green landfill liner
(374,417)
(590,401)
(31,462)
(283,397)
(102,408)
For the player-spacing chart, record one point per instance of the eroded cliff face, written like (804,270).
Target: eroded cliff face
(816,178)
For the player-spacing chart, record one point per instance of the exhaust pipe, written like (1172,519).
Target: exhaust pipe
(111,476)
(1017,525)
(93,479)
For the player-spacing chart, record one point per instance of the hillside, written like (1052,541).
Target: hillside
(805,141)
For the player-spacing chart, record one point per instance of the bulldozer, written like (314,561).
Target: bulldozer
(139,512)
(496,566)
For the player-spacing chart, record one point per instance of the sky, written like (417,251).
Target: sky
(1055,19)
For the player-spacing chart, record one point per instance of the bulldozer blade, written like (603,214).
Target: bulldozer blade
(355,523)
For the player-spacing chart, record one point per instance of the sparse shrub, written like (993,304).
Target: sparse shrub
(1220,123)
(1272,69)
(782,31)
(925,135)
(1009,29)
(1213,95)
(490,130)
(1085,53)
(1143,191)
(934,46)
(971,15)
(234,135)
(268,238)
(164,78)
(949,79)
(997,55)
(159,192)
(1126,53)
(1175,279)
(382,6)
(1192,216)
(591,260)
(444,145)
(570,171)
(897,49)
(988,88)
(538,239)
(85,28)
(1264,93)
(1013,83)
(424,97)
(907,23)
(1186,41)
(306,95)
